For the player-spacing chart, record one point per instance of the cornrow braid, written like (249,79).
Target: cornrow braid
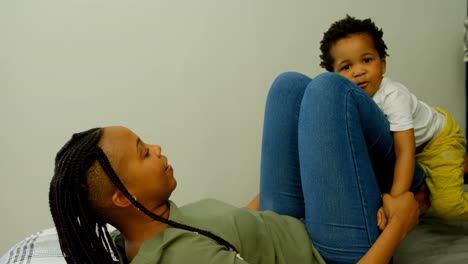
(83,235)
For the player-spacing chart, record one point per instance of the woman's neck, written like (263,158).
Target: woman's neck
(138,227)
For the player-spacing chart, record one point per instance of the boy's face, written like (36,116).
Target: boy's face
(356,58)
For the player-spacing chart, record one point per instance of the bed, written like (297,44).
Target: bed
(433,241)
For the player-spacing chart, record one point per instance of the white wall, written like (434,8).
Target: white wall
(189,75)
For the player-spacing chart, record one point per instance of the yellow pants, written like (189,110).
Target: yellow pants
(443,162)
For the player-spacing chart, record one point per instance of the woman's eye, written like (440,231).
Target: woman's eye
(147,153)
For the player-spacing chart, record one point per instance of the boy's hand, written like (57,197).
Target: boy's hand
(422,198)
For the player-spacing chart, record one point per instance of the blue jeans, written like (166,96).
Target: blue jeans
(327,154)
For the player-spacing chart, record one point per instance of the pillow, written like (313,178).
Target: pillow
(40,248)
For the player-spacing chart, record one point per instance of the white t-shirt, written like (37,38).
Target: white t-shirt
(404,111)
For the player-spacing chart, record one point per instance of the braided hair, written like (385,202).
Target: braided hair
(342,29)
(82,231)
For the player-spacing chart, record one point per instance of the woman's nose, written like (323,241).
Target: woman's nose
(158,150)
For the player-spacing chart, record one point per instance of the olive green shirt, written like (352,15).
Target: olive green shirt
(261,238)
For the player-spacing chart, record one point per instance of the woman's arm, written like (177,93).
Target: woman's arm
(405,148)
(402,214)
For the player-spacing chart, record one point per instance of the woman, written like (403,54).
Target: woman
(310,170)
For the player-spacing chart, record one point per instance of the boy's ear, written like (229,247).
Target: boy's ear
(119,199)
(384,65)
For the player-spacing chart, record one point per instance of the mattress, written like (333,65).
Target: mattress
(435,241)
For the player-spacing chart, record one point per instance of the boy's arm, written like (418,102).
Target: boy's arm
(405,148)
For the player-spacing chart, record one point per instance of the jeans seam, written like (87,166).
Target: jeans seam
(356,168)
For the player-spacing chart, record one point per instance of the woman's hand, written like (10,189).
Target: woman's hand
(255,203)
(420,197)
(381,219)
(403,209)
(398,216)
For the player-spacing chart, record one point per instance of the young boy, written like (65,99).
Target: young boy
(355,49)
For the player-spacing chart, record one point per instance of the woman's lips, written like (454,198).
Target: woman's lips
(169,168)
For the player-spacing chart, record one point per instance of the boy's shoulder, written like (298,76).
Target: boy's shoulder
(390,84)
(391,91)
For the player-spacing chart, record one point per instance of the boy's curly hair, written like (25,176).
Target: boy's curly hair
(342,29)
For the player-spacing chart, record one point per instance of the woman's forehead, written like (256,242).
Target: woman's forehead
(118,141)
(118,131)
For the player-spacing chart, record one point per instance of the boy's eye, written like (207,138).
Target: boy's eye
(346,67)
(367,60)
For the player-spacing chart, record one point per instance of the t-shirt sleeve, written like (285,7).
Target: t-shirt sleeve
(398,107)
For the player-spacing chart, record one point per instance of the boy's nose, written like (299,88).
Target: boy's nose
(358,71)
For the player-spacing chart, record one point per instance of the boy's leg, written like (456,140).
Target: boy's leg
(280,183)
(343,135)
(443,161)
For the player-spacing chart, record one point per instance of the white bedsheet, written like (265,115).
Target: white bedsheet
(40,248)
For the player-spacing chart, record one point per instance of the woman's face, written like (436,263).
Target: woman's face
(142,168)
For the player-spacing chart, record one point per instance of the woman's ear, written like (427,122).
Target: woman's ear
(119,199)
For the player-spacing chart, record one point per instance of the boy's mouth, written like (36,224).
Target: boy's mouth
(363,85)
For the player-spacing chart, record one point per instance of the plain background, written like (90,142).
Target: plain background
(189,75)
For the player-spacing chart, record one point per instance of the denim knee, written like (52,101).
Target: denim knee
(290,76)
(329,82)
(289,80)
